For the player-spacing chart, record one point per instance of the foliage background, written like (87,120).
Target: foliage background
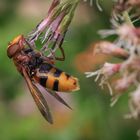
(91,118)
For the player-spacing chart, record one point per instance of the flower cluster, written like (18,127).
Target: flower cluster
(126,5)
(51,30)
(126,47)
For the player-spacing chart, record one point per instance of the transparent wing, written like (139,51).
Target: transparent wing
(39,98)
(54,94)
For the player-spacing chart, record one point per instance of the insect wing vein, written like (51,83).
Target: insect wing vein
(55,94)
(39,98)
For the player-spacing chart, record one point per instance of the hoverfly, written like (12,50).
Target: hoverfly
(38,69)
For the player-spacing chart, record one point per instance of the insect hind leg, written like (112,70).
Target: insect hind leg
(62,58)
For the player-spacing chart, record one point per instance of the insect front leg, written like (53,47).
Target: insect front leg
(32,47)
(54,57)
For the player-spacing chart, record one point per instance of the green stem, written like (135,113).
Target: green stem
(68,18)
(127,18)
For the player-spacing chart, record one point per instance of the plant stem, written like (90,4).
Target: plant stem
(127,18)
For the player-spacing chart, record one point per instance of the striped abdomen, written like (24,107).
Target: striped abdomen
(52,78)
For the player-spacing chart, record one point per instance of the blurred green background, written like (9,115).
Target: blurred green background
(92,118)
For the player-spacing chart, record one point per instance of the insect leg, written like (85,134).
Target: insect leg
(30,46)
(52,55)
(63,55)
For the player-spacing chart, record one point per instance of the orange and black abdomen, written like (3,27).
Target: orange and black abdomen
(52,78)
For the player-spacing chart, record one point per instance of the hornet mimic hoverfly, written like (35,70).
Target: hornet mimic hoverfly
(39,70)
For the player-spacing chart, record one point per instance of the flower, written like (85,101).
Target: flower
(108,48)
(134,104)
(51,30)
(105,72)
(125,46)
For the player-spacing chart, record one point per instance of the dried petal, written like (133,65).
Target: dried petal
(111,49)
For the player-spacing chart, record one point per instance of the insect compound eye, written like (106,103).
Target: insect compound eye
(12,49)
(15,46)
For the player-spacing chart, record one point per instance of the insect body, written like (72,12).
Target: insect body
(38,69)
(50,77)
